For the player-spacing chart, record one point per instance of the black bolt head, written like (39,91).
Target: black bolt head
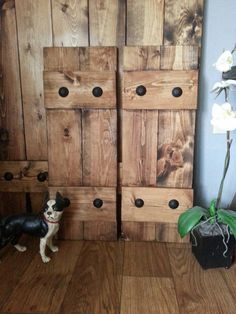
(63,91)
(8,176)
(97,91)
(177,92)
(141,90)
(173,204)
(97,203)
(139,202)
(42,176)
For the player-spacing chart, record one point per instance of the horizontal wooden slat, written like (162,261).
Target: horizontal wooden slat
(24,176)
(159,86)
(82,208)
(80,86)
(156,204)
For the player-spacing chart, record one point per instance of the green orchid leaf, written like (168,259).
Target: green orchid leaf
(228,217)
(212,208)
(190,218)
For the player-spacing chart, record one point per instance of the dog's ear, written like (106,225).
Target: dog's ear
(45,200)
(61,202)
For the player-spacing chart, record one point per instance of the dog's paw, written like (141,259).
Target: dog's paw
(20,248)
(54,248)
(46,259)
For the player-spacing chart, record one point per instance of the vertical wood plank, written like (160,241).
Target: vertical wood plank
(34,33)
(64,140)
(70,23)
(183,23)
(145,22)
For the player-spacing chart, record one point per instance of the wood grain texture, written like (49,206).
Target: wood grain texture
(156,204)
(12,203)
(81,206)
(159,86)
(99,128)
(183,23)
(61,59)
(148,295)
(64,140)
(138,231)
(33,22)
(175,148)
(139,147)
(80,86)
(12,141)
(107,22)
(96,283)
(24,176)
(50,283)
(100,230)
(145,22)
(199,291)
(70,23)
(145,259)
(168,232)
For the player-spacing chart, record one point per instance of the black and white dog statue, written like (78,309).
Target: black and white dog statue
(45,227)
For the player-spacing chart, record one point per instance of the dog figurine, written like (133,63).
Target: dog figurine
(46,227)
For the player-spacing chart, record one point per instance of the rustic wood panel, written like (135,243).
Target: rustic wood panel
(64,140)
(71,229)
(99,128)
(24,176)
(175,148)
(12,203)
(159,86)
(70,23)
(100,230)
(145,22)
(138,231)
(50,283)
(99,269)
(156,204)
(183,23)
(139,147)
(80,86)
(33,22)
(12,142)
(61,58)
(168,232)
(148,295)
(82,208)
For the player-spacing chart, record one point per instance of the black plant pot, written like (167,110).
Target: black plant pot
(209,250)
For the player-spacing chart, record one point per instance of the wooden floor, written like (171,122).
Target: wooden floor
(113,277)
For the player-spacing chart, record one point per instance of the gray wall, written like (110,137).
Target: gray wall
(219,34)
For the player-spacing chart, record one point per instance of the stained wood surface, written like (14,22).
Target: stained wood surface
(156,204)
(145,22)
(24,176)
(70,23)
(64,140)
(183,23)
(159,86)
(80,86)
(34,33)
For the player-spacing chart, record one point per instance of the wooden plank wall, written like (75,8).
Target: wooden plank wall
(26,26)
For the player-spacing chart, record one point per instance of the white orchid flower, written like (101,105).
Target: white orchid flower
(223,118)
(224,62)
(219,86)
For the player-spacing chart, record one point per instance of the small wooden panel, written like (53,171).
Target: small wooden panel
(159,87)
(183,22)
(145,22)
(70,23)
(99,156)
(24,176)
(148,295)
(82,207)
(100,230)
(138,231)
(80,86)
(168,232)
(32,17)
(64,140)
(139,137)
(156,204)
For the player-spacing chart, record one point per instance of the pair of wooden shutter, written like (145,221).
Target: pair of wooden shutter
(158,101)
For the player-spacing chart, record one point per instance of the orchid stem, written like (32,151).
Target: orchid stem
(226,166)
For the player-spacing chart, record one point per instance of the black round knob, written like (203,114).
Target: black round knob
(173,204)
(97,91)
(42,176)
(139,202)
(97,203)
(141,90)
(8,176)
(63,91)
(177,92)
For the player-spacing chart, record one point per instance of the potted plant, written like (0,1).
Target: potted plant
(213,230)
